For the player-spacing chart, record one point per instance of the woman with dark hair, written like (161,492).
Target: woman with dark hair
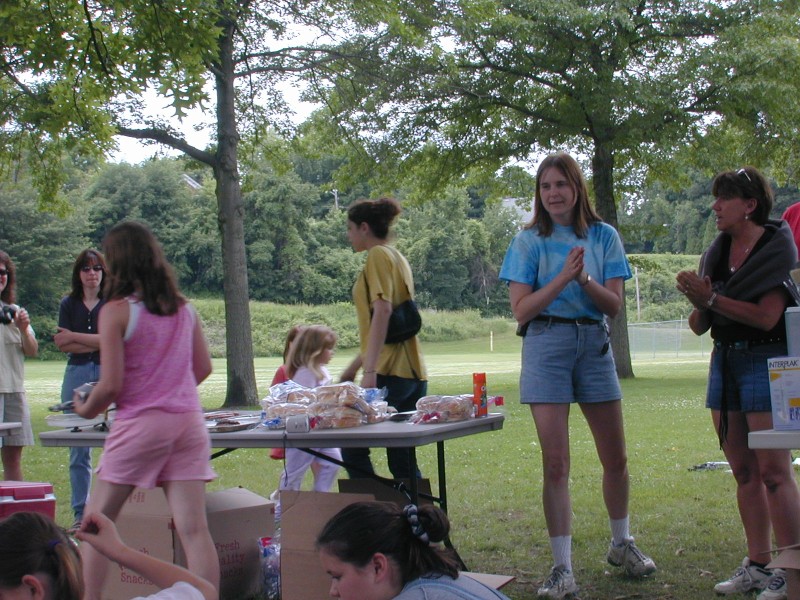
(565,273)
(384,283)
(738,294)
(17,340)
(154,356)
(38,561)
(379,551)
(78,336)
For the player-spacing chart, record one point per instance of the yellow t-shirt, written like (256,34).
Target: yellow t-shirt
(389,277)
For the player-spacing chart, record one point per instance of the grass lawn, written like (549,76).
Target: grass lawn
(687,520)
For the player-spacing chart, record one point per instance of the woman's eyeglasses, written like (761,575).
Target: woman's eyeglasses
(3,272)
(743,172)
(94,268)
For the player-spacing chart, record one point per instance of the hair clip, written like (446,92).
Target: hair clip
(410,512)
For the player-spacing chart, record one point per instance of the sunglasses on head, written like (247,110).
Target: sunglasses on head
(95,268)
(743,172)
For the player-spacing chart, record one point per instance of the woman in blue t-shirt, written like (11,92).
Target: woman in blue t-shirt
(78,337)
(565,273)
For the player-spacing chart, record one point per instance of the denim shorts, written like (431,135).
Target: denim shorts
(742,375)
(565,362)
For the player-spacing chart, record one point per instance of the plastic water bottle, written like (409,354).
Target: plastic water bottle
(497,404)
(270,568)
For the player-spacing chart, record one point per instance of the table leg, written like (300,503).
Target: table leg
(413,481)
(442,476)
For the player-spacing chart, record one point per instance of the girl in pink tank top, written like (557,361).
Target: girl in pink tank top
(154,355)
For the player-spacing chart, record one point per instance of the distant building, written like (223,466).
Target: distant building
(191,182)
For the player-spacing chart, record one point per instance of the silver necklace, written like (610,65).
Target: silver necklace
(739,263)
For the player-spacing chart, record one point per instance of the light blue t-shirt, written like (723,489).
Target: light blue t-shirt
(535,260)
(446,588)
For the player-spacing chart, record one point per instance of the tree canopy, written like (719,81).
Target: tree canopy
(486,82)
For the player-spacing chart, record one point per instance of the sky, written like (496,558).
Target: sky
(134,152)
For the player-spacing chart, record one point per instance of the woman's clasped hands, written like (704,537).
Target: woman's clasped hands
(697,289)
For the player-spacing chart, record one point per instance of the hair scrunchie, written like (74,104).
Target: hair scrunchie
(410,512)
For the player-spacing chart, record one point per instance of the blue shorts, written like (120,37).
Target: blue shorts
(743,376)
(565,362)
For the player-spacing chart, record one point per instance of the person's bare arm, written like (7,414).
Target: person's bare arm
(381,311)
(30,346)
(99,531)
(201,357)
(76,343)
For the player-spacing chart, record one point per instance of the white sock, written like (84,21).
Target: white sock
(561,547)
(620,531)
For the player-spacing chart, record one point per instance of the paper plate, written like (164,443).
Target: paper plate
(69,421)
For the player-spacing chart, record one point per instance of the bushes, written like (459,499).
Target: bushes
(270,322)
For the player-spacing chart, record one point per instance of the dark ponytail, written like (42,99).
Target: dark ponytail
(406,536)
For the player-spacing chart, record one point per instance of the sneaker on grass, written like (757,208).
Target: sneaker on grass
(776,588)
(633,560)
(744,579)
(560,584)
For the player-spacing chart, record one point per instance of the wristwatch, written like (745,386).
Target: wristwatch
(711,299)
(586,282)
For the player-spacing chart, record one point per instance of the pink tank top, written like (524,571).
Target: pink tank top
(158,363)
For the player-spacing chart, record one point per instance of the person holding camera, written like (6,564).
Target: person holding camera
(17,340)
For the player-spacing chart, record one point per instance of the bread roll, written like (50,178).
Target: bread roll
(443,409)
(344,393)
(282,410)
(338,417)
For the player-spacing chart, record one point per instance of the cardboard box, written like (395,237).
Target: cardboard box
(784,389)
(303,515)
(19,496)
(490,580)
(788,559)
(237,518)
(383,492)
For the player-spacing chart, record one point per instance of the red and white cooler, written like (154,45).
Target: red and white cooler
(19,496)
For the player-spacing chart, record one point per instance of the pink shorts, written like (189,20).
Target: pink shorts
(157,446)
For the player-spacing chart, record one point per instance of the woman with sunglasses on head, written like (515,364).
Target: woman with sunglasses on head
(738,294)
(79,338)
(17,340)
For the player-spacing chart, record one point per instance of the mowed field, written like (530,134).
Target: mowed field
(685,518)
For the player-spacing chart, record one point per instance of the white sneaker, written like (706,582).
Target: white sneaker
(744,579)
(776,589)
(633,560)
(560,584)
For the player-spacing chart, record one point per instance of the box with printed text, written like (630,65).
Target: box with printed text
(784,389)
(237,518)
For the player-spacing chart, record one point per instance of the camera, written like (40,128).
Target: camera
(7,314)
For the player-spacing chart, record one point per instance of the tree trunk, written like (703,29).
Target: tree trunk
(603,185)
(241,390)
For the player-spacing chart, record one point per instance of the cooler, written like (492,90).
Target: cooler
(19,496)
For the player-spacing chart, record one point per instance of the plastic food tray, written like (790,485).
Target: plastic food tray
(71,421)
